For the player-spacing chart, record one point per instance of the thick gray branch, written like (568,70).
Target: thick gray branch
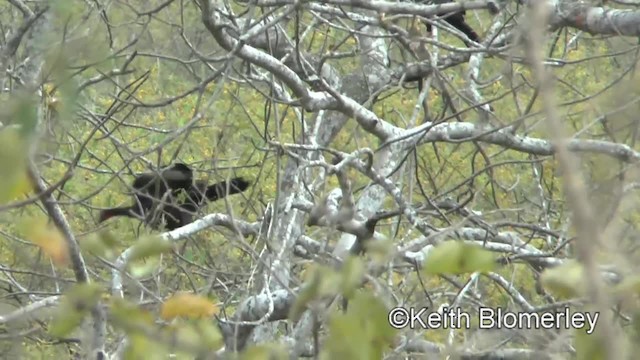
(595,20)
(459,132)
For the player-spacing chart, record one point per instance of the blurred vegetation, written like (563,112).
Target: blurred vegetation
(233,122)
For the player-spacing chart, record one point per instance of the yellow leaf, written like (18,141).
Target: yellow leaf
(50,240)
(187,305)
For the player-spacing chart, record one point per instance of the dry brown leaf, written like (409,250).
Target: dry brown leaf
(50,240)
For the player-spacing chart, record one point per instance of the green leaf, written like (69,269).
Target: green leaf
(140,346)
(362,333)
(323,281)
(565,280)
(129,316)
(65,322)
(635,326)
(347,340)
(364,305)
(13,166)
(73,307)
(352,274)
(628,286)
(185,335)
(265,352)
(210,335)
(194,336)
(24,113)
(144,268)
(108,239)
(148,246)
(330,281)
(64,100)
(380,250)
(307,294)
(589,346)
(101,244)
(457,257)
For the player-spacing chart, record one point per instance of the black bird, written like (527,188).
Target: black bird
(456,19)
(157,197)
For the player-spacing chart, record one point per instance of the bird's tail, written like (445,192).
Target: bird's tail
(457,21)
(468,30)
(222,189)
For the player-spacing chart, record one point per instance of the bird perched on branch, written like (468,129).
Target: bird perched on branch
(157,198)
(457,20)
(453,18)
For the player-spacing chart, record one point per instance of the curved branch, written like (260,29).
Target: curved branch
(210,220)
(311,100)
(459,132)
(595,20)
